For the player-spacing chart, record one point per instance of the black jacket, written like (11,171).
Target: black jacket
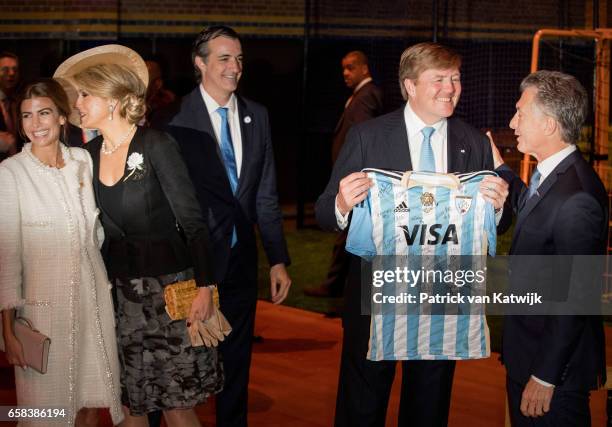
(156,201)
(567,216)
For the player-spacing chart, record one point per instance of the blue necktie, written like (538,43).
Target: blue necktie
(227,151)
(534,182)
(427,162)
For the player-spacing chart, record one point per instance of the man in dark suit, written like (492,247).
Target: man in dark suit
(365,103)
(553,361)
(10,143)
(430,81)
(226,143)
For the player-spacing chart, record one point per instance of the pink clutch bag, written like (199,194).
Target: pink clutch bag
(35,345)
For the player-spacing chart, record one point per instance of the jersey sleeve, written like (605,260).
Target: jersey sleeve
(359,241)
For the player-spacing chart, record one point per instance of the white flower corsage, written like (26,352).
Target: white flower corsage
(135,165)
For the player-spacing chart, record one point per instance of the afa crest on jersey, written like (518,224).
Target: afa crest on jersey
(428,201)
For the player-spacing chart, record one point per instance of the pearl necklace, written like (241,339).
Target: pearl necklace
(123,140)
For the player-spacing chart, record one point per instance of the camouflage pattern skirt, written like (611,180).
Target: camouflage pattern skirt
(159,368)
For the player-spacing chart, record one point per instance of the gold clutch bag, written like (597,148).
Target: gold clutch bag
(179,297)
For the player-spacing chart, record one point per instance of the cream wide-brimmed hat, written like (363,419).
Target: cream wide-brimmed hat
(106,54)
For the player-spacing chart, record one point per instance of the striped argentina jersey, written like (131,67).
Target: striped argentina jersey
(424,221)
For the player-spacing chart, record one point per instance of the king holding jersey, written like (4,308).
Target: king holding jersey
(421,136)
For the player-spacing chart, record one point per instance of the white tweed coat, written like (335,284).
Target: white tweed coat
(51,270)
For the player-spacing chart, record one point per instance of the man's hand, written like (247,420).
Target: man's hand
(495,190)
(353,189)
(279,283)
(497,157)
(536,398)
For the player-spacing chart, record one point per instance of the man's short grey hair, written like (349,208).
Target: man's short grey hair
(562,97)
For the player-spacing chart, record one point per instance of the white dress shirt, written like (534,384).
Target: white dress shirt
(233,118)
(546,166)
(414,126)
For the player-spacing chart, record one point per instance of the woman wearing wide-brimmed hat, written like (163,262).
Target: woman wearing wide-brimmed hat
(155,236)
(51,271)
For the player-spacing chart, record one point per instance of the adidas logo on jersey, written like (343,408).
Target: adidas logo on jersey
(402,207)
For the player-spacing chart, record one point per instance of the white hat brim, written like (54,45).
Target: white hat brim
(106,54)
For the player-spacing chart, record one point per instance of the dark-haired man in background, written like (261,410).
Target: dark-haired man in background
(9,81)
(227,146)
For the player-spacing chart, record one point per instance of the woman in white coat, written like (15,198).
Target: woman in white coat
(51,271)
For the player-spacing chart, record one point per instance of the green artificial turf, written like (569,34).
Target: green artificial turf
(310,251)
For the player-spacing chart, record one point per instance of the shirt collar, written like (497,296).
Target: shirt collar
(546,166)
(415,125)
(362,84)
(212,105)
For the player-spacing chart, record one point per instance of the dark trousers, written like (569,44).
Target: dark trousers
(238,299)
(364,386)
(567,408)
(338,269)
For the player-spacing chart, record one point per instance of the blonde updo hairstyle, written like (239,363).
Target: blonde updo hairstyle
(114,81)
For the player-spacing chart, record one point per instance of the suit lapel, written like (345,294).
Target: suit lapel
(543,189)
(457,150)
(353,97)
(247,123)
(132,190)
(398,149)
(195,115)
(95,158)
(339,124)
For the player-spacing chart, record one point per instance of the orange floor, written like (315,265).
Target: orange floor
(295,372)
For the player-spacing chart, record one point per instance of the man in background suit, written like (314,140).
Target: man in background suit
(226,142)
(553,361)
(9,81)
(365,103)
(429,79)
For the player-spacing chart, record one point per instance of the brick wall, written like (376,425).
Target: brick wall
(488,19)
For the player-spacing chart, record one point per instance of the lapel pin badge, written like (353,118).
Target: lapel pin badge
(462,151)
(247,119)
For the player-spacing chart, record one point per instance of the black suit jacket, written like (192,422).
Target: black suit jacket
(568,216)
(255,201)
(383,143)
(156,201)
(366,104)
